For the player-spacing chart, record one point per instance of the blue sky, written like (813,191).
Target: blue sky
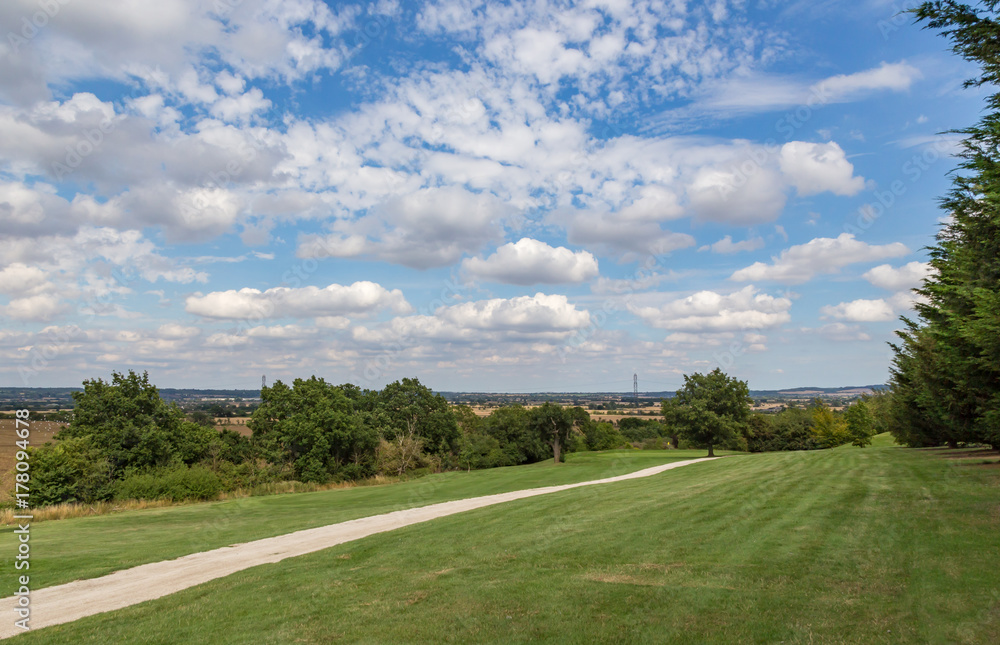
(538,196)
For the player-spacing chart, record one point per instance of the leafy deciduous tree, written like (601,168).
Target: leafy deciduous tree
(710,410)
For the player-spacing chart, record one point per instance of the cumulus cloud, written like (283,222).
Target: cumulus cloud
(175,331)
(708,311)
(429,228)
(909,276)
(727,194)
(110,39)
(726,245)
(360,298)
(38,308)
(610,233)
(817,167)
(522,318)
(530,261)
(860,311)
(20,279)
(802,262)
(842,333)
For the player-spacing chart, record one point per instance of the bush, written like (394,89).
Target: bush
(604,436)
(654,443)
(635,429)
(69,471)
(480,451)
(182,483)
(402,454)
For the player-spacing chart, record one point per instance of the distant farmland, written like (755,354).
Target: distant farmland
(41,432)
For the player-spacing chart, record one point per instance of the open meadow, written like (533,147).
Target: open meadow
(875,545)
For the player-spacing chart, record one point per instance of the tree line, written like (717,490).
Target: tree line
(946,366)
(126,442)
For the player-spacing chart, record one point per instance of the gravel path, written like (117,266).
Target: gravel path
(73,600)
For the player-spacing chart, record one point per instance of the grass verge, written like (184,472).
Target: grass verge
(876,545)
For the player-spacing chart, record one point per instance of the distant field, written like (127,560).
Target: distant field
(237,424)
(41,432)
(597,415)
(875,545)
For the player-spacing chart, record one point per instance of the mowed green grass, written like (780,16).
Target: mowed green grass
(88,547)
(875,545)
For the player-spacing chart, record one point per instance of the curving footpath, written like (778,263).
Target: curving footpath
(73,600)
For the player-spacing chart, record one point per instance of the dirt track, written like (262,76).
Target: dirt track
(73,600)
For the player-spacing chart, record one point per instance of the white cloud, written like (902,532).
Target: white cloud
(538,313)
(174,331)
(41,307)
(529,261)
(757,92)
(817,167)
(609,232)
(860,311)
(429,228)
(842,333)
(20,279)
(802,262)
(726,245)
(727,194)
(360,298)
(162,43)
(523,318)
(895,77)
(909,276)
(708,311)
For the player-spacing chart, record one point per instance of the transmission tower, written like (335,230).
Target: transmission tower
(635,388)
(263,381)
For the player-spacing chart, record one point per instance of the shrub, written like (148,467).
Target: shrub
(604,436)
(73,470)
(176,484)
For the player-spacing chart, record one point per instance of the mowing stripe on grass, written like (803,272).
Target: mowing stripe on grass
(68,602)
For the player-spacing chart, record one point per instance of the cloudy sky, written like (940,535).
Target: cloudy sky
(490,196)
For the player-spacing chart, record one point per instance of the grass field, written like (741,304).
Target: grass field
(876,545)
(83,547)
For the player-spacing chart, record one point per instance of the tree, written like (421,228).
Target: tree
(946,370)
(860,423)
(314,429)
(72,470)
(710,410)
(604,436)
(790,429)
(480,451)
(829,429)
(133,427)
(636,429)
(412,408)
(552,423)
(509,425)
